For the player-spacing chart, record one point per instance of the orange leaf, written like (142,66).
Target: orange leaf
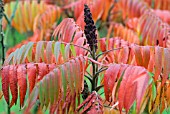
(166,66)
(1,94)
(158,62)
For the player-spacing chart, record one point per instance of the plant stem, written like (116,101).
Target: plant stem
(88,78)
(2,42)
(107,52)
(99,71)
(99,87)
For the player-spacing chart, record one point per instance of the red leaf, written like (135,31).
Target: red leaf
(82,66)
(142,83)
(109,79)
(57,78)
(78,34)
(130,96)
(125,84)
(163,14)
(79,75)
(13,84)
(5,82)
(42,70)
(92,104)
(123,55)
(52,66)
(66,29)
(70,77)
(22,83)
(49,52)
(102,43)
(133,86)
(80,42)
(31,72)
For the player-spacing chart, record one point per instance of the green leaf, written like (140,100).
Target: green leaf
(20,53)
(134,108)
(150,80)
(57,50)
(28,48)
(151,74)
(29,56)
(98,24)
(46,87)
(151,77)
(166,111)
(75,75)
(33,97)
(39,51)
(67,51)
(8,60)
(15,56)
(119,81)
(63,75)
(70,78)
(63,51)
(49,51)
(73,50)
(140,38)
(57,80)
(153,90)
(41,93)
(52,87)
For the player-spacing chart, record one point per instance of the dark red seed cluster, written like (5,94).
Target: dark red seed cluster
(90,29)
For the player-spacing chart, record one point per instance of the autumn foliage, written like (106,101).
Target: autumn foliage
(88,56)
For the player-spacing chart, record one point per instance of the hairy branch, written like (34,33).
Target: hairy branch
(99,71)
(107,52)
(99,87)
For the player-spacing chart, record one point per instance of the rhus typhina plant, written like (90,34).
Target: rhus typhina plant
(72,70)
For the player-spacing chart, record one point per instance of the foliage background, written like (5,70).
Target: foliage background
(103,24)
